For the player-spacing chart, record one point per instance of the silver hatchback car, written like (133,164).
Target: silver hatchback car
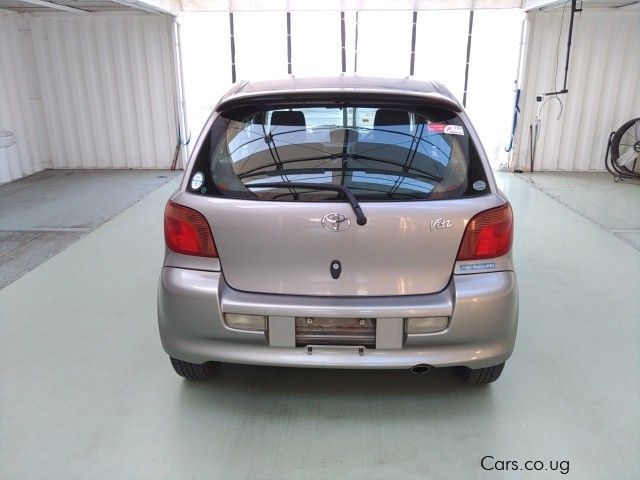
(340,222)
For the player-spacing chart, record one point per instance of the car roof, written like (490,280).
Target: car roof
(339,87)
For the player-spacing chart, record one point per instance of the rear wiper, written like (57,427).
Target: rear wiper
(351,198)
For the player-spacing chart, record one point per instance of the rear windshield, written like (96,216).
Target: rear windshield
(379,154)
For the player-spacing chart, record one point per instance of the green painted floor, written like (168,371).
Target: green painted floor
(611,205)
(86,391)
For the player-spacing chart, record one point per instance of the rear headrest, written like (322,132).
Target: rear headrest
(391,117)
(286,117)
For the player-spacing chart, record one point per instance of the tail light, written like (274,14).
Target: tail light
(186,231)
(489,234)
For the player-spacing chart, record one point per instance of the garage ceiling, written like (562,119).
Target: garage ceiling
(608,3)
(75,6)
(89,6)
(176,6)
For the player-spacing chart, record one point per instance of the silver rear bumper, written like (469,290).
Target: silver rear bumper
(483,310)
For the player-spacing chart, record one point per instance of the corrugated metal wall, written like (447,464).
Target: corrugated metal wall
(26,148)
(95,91)
(108,89)
(604,87)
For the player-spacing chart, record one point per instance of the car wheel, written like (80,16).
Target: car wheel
(481,375)
(192,371)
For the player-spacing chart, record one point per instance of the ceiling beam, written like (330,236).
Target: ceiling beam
(55,6)
(172,7)
(137,5)
(545,5)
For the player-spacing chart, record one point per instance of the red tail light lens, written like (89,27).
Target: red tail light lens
(186,231)
(489,234)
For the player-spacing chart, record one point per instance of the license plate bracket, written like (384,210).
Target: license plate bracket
(335,331)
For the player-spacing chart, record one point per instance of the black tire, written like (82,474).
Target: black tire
(480,376)
(192,371)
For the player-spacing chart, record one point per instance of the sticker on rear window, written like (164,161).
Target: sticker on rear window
(479,185)
(441,127)
(454,130)
(197,181)
(436,127)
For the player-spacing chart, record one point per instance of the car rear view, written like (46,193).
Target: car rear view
(339,222)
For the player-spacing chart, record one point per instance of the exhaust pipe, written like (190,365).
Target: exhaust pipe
(420,369)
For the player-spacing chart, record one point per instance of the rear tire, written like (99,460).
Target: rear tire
(192,371)
(480,376)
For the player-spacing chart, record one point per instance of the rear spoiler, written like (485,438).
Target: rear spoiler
(342,96)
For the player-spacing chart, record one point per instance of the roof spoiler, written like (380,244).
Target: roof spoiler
(338,96)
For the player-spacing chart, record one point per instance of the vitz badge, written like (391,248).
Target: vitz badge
(440,223)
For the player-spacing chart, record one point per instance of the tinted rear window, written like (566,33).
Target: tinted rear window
(380,154)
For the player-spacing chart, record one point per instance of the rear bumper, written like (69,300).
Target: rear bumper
(483,309)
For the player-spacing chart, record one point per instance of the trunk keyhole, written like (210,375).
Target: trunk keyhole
(335,269)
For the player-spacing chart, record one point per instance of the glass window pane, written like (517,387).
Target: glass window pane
(403,155)
(261,45)
(384,43)
(207,71)
(315,43)
(441,48)
(492,70)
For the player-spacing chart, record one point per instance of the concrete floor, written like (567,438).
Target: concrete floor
(42,214)
(594,195)
(86,391)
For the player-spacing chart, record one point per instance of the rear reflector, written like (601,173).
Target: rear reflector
(186,231)
(246,322)
(489,234)
(425,324)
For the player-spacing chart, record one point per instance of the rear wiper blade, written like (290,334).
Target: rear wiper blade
(351,198)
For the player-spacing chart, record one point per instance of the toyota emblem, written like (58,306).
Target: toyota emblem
(335,222)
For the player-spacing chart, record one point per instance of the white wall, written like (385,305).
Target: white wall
(108,89)
(20,102)
(604,87)
(94,91)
